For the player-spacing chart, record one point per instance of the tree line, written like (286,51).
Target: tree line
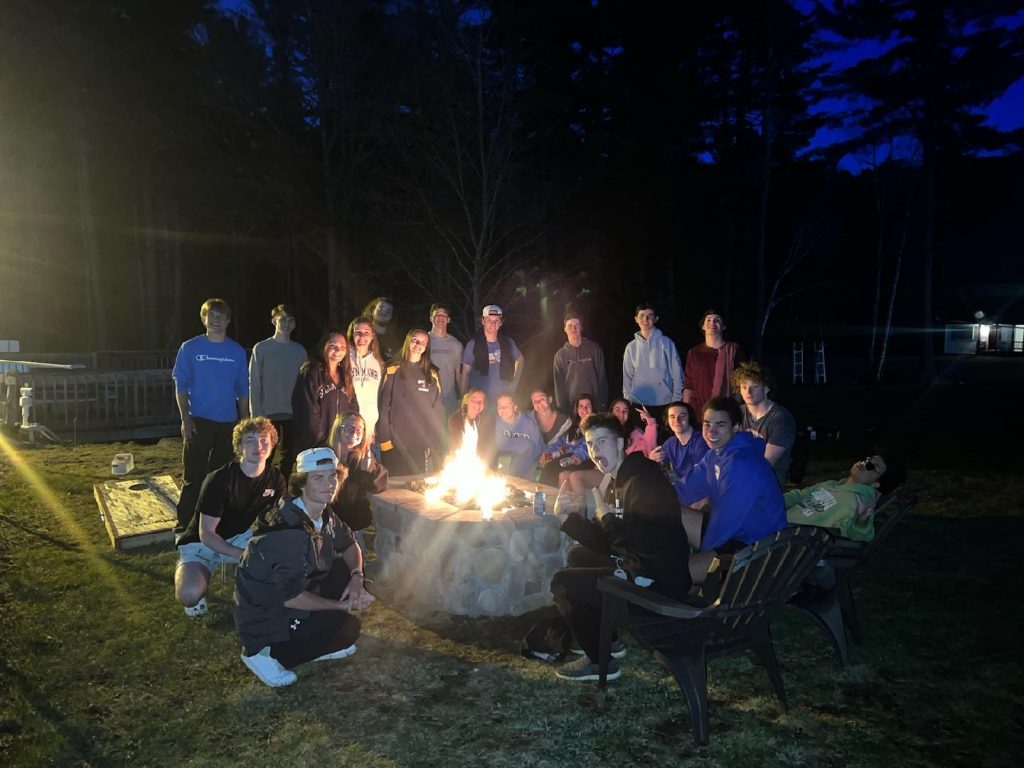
(533,154)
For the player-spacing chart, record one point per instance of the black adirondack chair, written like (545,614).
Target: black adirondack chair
(827,595)
(756,583)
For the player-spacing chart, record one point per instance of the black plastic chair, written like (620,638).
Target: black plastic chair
(756,582)
(827,596)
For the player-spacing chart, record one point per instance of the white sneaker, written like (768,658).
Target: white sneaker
(344,653)
(268,669)
(197,610)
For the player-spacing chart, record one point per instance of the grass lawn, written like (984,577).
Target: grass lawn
(101,668)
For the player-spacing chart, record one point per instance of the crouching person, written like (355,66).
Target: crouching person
(300,578)
(231,498)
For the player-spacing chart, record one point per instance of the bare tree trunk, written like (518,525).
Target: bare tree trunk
(149,263)
(904,237)
(172,251)
(883,352)
(928,216)
(94,307)
(879,253)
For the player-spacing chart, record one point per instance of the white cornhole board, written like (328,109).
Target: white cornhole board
(140,511)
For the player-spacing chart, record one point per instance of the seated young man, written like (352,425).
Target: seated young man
(300,578)
(745,500)
(639,526)
(848,504)
(229,500)
(765,418)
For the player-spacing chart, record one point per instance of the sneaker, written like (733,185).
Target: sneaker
(618,649)
(197,610)
(344,653)
(583,669)
(268,669)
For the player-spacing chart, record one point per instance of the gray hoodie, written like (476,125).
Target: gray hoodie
(652,373)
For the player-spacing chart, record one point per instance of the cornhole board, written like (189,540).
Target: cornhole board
(138,512)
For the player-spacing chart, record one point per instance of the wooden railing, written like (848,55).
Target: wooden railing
(109,360)
(96,405)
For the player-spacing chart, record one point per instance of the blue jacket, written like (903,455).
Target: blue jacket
(746,503)
(563,445)
(684,459)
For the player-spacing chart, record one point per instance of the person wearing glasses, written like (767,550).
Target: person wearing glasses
(411,426)
(847,505)
(446,354)
(350,440)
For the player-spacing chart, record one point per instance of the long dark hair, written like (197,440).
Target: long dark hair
(318,358)
(632,419)
(575,433)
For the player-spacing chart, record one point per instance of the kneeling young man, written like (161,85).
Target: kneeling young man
(745,500)
(230,499)
(300,576)
(640,528)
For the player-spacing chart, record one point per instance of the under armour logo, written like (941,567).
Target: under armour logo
(295,624)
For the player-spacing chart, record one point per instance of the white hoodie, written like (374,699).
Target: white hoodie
(652,373)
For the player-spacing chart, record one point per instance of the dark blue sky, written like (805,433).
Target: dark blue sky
(1005,113)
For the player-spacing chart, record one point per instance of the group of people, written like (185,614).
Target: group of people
(364,405)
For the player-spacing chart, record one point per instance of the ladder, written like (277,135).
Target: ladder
(819,362)
(798,362)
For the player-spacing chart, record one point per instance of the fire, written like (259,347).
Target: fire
(466,478)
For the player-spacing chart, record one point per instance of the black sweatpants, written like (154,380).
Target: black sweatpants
(579,602)
(208,449)
(322,631)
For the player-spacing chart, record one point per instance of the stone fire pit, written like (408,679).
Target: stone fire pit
(442,557)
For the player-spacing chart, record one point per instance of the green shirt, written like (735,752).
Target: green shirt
(834,504)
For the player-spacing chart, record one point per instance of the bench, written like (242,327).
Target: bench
(827,596)
(756,582)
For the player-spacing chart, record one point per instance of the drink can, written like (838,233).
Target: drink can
(539,503)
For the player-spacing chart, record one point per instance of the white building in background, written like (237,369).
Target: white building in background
(982,337)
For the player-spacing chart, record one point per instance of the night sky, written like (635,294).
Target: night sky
(172,153)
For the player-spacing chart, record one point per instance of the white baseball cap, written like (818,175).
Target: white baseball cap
(491,309)
(315,460)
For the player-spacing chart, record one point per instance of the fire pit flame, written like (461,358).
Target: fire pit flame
(466,478)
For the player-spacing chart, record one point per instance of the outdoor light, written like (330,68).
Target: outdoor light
(978,315)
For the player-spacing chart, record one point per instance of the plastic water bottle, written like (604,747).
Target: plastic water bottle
(428,465)
(540,500)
